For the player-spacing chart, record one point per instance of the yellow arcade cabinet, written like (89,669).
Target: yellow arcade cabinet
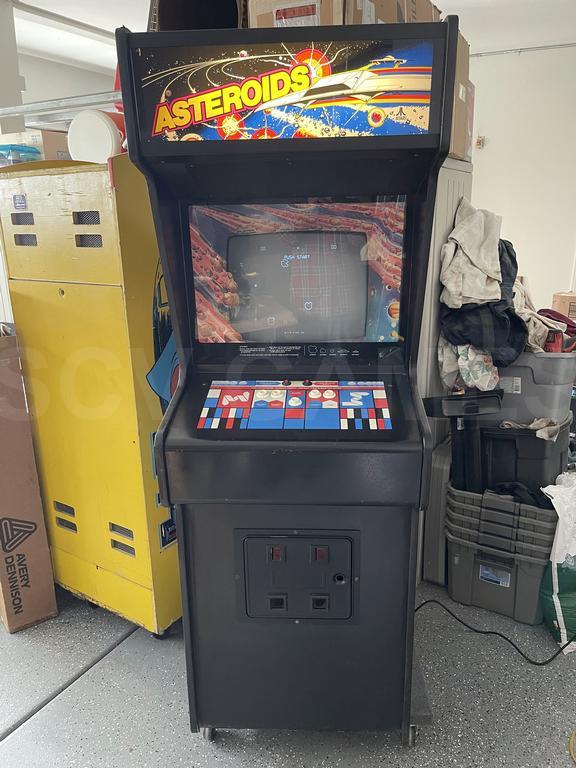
(99,363)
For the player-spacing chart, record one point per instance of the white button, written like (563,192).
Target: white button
(315,394)
(329,394)
(295,401)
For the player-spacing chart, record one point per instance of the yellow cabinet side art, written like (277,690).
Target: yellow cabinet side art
(99,364)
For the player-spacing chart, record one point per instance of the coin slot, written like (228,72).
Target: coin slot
(277,602)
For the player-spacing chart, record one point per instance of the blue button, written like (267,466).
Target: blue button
(323,418)
(293,423)
(271,418)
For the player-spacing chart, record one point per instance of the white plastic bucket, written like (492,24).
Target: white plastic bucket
(94,136)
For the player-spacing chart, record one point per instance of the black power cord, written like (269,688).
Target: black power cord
(534,662)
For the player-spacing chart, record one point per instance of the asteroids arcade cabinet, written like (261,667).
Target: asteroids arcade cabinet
(293,173)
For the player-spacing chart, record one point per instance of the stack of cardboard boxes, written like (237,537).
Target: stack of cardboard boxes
(292,13)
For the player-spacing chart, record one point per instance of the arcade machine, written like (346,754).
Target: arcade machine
(292,174)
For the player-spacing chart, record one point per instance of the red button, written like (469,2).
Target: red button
(320,554)
(276,554)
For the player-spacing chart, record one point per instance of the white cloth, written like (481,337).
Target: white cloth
(545,429)
(466,366)
(538,326)
(470,271)
(563,496)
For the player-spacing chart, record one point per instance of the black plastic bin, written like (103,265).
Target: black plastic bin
(517,455)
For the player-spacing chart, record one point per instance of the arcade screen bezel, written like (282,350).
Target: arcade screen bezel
(357,352)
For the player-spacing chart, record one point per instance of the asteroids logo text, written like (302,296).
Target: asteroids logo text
(236,97)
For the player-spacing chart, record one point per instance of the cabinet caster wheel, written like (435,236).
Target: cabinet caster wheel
(409,736)
(208,734)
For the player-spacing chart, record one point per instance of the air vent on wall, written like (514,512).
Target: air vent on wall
(120,530)
(89,241)
(68,524)
(64,509)
(121,547)
(87,218)
(22,219)
(27,239)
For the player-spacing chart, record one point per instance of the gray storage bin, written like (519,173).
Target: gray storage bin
(502,509)
(487,578)
(500,543)
(498,529)
(537,385)
(514,521)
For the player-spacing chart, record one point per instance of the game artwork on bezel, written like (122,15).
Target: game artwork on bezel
(310,293)
(286,90)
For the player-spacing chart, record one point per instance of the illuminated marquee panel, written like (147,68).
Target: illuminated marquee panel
(280,90)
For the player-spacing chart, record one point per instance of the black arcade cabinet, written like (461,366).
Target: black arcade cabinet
(293,174)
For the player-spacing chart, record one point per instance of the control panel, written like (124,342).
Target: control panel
(308,405)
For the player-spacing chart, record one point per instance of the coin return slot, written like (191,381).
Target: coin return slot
(26,239)
(119,530)
(22,219)
(320,602)
(87,218)
(125,548)
(89,241)
(277,602)
(64,509)
(68,524)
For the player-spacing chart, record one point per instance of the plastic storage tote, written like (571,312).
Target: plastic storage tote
(487,578)
(503,509)
(498,529)
(517,455)
(537,385)
(501,543)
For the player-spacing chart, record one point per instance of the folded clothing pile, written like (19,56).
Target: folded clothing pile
(487,318)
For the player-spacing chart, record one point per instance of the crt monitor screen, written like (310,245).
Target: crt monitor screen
(299,286)
(298,272)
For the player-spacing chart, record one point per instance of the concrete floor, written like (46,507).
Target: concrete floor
(86,690)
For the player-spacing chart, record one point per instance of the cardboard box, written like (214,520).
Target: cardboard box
(420,10)
(565,303)
(374,11)
(461,142)
(52,145)
(390,11)
(26,581)
(295,13)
